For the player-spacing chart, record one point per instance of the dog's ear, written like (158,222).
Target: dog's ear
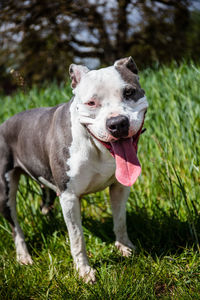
(127,62)
(76,72)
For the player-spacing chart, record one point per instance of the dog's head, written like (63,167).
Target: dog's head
(111,104)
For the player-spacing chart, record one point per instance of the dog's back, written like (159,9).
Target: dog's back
(28,132)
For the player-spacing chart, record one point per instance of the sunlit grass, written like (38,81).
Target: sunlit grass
(162,211)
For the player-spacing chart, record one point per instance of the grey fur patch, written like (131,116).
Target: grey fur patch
(129,76)
(45,133)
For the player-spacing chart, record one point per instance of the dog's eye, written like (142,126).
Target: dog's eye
(129,92)
(91,103)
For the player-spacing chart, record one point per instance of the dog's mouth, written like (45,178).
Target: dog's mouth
(124,151)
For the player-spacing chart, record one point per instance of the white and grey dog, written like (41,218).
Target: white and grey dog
(78,148)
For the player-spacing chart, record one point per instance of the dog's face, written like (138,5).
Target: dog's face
(110,101)
(112,106)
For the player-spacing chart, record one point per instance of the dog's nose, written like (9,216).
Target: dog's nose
(118,126)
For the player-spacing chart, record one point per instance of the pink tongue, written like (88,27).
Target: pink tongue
(127,164)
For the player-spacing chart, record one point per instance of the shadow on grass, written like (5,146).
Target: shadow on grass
(158,235)
(44,228)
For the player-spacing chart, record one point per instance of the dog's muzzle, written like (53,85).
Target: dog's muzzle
(118,126)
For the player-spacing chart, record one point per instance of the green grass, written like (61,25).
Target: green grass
(162,211)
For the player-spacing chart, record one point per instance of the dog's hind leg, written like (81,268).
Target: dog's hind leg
(23,255)
(48,197)
(5,165)
(8,189)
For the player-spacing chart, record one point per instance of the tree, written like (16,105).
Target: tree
(41,38)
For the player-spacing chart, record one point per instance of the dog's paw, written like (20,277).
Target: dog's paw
(87,274)
(125,250)
(24,259)
(46,209)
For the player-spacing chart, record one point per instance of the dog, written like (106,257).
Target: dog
(76,148)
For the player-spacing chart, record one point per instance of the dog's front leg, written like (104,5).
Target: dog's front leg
(72,214)
(118,197)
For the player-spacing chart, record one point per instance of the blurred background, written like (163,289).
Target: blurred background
(39,39)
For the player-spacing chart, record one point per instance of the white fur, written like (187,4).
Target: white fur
(88,157)
(91,166)
(71,211)
(48,184)
(106,91)
(118,197)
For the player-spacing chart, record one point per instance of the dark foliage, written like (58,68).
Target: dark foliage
(39,39)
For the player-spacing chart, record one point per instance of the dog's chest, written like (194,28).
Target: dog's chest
(90,170)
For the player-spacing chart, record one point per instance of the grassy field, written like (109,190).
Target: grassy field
(162,211)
